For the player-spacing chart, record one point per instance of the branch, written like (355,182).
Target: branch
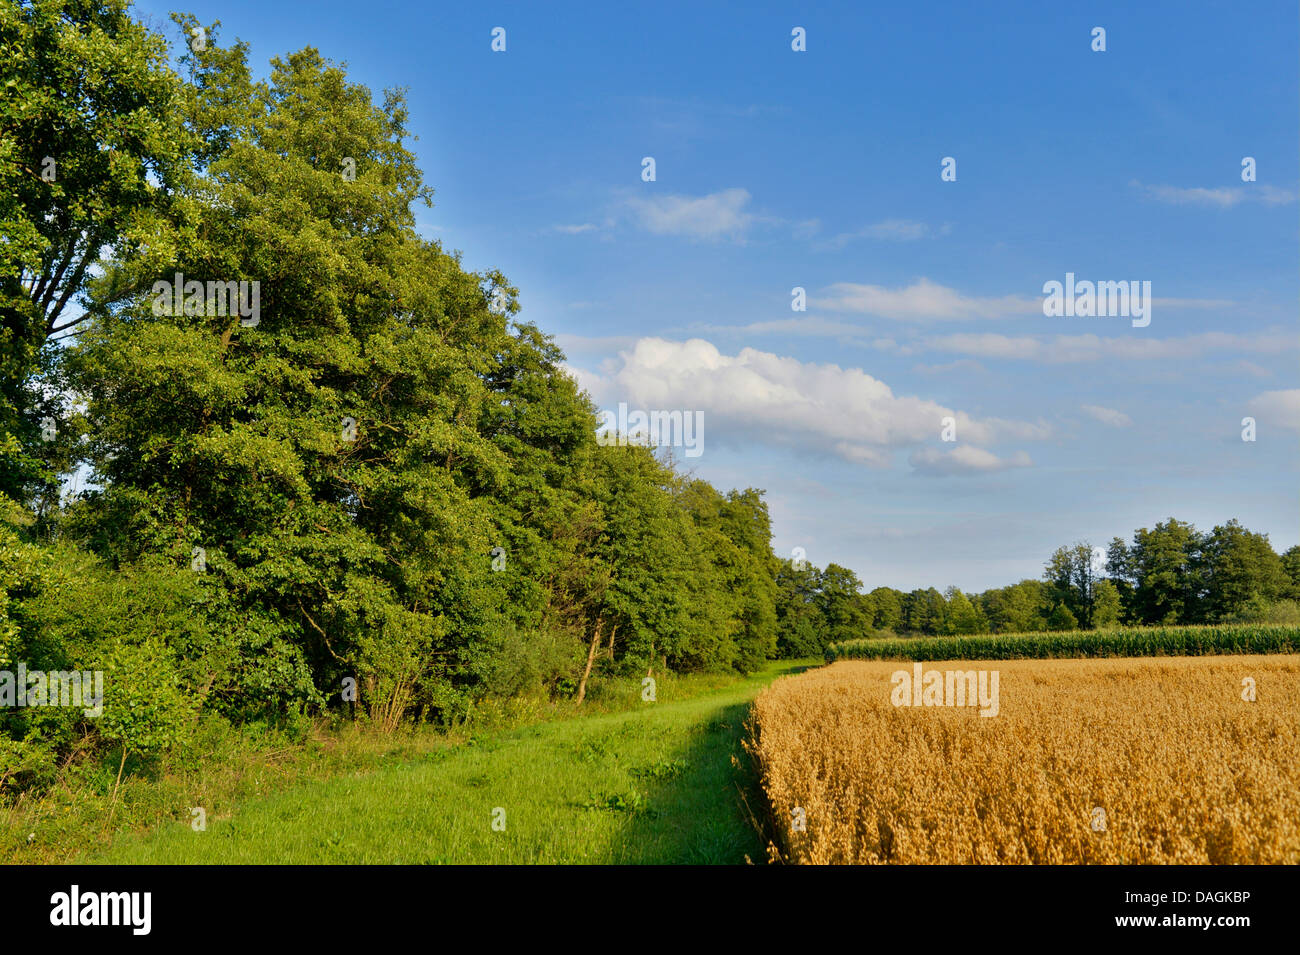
(317,628)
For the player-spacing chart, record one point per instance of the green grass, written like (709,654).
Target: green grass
(1125,642)
(653,784)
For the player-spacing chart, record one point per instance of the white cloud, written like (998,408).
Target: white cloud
(1281,408)
(575,229)
(759,397)
(715,216)
(1061,349)
(1225,197)
(1116,419)
(964,459)
(922,300)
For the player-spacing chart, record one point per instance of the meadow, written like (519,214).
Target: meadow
(1155,760)
(645,782)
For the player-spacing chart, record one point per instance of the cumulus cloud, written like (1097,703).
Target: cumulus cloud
(1281,408)
(1116,419)
(760,397)
(715,216)
(964,459)
(921,301)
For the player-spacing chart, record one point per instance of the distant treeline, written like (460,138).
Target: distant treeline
(1171,574)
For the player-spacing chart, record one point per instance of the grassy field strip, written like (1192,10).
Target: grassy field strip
(1126,642)
(652,785)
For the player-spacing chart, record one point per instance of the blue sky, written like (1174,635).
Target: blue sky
(821,169)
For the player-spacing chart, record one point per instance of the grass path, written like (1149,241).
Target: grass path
(655,784)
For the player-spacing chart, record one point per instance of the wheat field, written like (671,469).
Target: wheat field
(1157,760)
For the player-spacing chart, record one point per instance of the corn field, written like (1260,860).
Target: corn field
(1127,642)
(1158,760)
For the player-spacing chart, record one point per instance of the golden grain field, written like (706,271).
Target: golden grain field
(1155,760)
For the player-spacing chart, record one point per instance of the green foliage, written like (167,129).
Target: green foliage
(239,551)
(387,481)
(513,662)
(1019,608)
(1105,605)
(63,611)
(146,710)
(1125,642)
(1062,618)
(1281,612)
(89,151)
(960,616)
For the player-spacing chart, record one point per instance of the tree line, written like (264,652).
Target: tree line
(379,487)
(1169,574)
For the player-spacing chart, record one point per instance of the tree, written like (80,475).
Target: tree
(1121,573)
(1291,565)
(1162,566)
(801,628)
(89,154)
(1019,608)
(923,611)
(1061,619)
(887,604)
(960,615)
(1069,577)
(1105,610)
(1240,569)
(838,598)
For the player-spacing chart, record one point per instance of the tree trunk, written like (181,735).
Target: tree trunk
(591,657)
(612,630)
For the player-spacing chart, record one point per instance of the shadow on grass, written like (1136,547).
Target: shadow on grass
(692,811)
(703,806)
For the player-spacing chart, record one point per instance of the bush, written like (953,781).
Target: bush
(1280,612)
(518,662)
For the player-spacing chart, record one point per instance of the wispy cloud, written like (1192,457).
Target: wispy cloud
(812,326)
(719,215)
(921,301)
(1108,416)
(964,459)
(1224,197)
(890,230)
(1064,349)
(948,367)
(1193,302)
